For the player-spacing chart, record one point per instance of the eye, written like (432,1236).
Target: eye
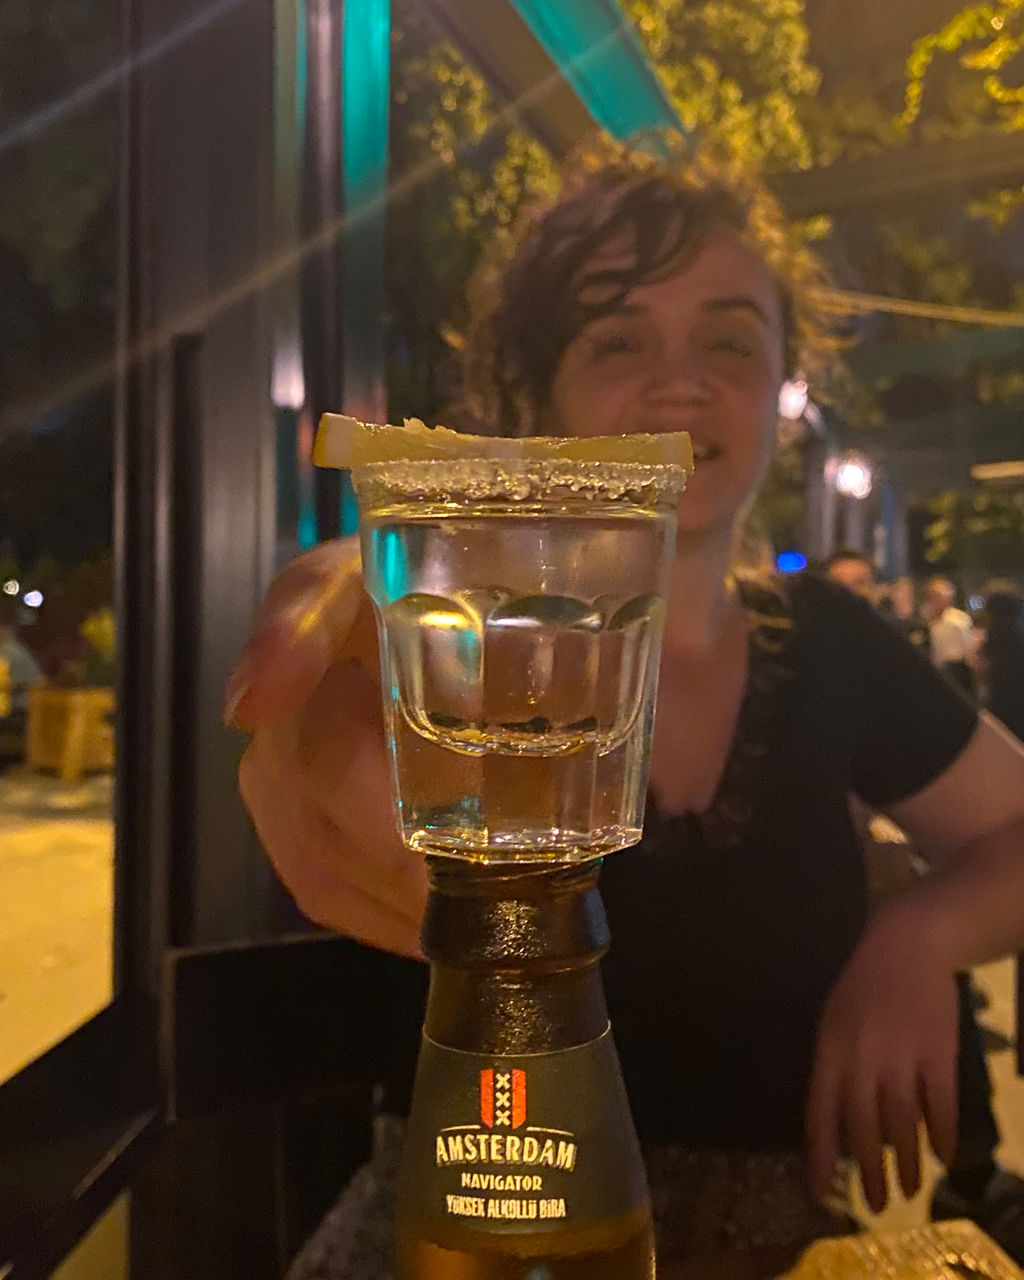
(615,343)
(733,344)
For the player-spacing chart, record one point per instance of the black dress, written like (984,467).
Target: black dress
(730,927)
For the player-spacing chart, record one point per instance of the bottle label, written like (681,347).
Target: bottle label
(521,1144)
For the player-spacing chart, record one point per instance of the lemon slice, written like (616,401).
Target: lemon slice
(346,442)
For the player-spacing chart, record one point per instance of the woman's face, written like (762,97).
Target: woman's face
(700,351)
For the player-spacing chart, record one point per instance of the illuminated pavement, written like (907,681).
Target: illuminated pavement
(56,916)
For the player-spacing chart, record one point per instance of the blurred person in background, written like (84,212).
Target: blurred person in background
(954,642)
(906,615)
(855,571)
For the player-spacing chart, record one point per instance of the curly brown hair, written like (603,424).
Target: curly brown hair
(533,293)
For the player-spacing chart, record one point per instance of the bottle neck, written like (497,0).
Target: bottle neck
(514,957)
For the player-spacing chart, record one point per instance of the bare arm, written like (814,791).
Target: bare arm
(887,1042)
(969,824)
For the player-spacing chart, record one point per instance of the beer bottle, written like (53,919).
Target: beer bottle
(520,1160)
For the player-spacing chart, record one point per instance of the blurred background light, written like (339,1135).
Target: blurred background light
(33,599)
(1010,470)
(793,399)
(288,386)
(853,476)
(791,561)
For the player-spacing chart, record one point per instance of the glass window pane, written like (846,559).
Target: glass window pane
(103,1254)
(59,142)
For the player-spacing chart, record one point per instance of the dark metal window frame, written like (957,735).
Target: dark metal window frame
(74,1123)
(194,544)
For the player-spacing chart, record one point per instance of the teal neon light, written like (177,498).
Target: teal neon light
(294,445)
(301,67)
(596,49)
(365,94)
(366,69)
(349,509)
(306,531)
(388,558)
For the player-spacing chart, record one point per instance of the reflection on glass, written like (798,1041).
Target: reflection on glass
(58,267)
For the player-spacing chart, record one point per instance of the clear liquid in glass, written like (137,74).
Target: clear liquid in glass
(520,651)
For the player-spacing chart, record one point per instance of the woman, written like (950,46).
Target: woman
(756,1012)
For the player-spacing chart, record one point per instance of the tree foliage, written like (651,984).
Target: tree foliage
(956,76)
(976,534)
(461,170)
(57,176)
(738,72)
(741,75)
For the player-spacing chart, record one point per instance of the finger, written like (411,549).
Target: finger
(863,1127)
(313,852)
(822,1124)
(308,617)
(345,775)
(276,673)
(304,593)
(306,852)
(337,747)
(900,1111)
(939,1098)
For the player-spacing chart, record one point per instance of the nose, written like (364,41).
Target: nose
(678,377)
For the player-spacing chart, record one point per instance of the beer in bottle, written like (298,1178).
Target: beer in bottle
(520,1161)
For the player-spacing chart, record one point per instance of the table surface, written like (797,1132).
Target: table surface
(939,1251)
